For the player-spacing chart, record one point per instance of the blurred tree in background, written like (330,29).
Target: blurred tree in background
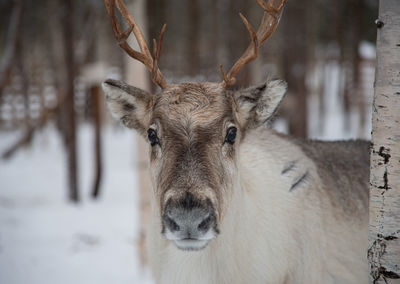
(48,46)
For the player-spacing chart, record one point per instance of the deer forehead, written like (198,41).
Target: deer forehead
(193,105)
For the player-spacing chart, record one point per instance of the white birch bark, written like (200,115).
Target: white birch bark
(384,227)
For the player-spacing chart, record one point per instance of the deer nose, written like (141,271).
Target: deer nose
(189,222)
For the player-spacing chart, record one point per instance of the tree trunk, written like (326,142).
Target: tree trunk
(13,37)
(95,96)
(384,228)
(68,92)
(193,39)
(294,64)
(137,76)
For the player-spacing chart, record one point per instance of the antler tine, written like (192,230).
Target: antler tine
(267,26)
(230,80)
(136,30)
(155,64)
(223,74)
(157,54)
(121,36)
(270,19)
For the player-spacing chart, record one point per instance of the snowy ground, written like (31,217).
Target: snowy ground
(44,239)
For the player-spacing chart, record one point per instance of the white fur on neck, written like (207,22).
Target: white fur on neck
(268,234)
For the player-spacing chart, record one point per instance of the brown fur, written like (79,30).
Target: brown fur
(192,121)
(344,168)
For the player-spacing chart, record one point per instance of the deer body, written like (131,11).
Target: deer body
(233,201)
(253,207)
(272,234)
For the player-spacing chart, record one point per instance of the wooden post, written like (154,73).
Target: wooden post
(384,224)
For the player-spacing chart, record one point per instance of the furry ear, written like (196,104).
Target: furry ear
(128,104)
(256,105)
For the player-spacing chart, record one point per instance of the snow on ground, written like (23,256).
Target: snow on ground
(44,239)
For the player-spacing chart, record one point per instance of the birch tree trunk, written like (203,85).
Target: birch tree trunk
(384,227)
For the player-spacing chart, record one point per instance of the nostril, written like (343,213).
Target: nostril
(172,225)
(205,224)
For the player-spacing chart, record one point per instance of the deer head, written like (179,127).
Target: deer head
(194,131)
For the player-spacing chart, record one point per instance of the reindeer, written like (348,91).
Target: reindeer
(233,201)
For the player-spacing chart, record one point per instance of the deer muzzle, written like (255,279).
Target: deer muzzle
(189,223)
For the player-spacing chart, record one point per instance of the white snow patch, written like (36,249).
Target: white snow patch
(44,238)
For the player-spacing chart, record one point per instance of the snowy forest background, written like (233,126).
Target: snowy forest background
(69,174)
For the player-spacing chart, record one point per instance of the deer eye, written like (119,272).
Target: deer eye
(152,136)
(231,135)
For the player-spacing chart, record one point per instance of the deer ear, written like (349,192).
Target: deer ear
(128,104)
(256,105)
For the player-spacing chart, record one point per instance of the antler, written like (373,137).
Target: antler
(121,36)
(269,22)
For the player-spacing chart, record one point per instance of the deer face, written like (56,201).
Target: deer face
(194,131)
